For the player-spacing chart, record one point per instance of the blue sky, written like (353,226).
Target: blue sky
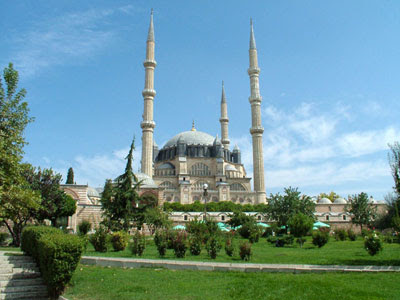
(329,80)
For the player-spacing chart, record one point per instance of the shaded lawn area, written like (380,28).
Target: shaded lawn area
(10,249)
(333,253)
(99,283)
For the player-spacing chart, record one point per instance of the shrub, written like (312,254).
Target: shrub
(195,245)
(30,237)
(245,251)
(213,247)
(320,238)
(196,228)
(340,235)
(372,244)
(280,241)
(59,257)
(364,232)
(170,238)
(229,247)
(3,238)
(99,239)
(119,240)
(351,234)
(139,244)
(179,243)
(272,239)
(161,241)
(388,238)
(84,227)
(300,225)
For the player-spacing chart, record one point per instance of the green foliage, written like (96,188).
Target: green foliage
(372,244)
(251,231)
(99,239)
(197,228)
(352,235)
(320,238)
(155,219)
(139,244)
(225,206)
(179,243)
(3,238)
(245,251)
(229,247)
(363,212)
(394,162)
(84,227)
(340,234)
(331,196)
(161,241)
(282,208)
(239,218)
(364,232)
(56,253)
(213,246)
(300,225)
(281,241)
(195,245)
(70,176)
(119,240)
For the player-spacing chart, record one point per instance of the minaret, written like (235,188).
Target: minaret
(148,93)
(224,120)
(256,129)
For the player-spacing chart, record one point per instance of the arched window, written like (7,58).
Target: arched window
(198,186)
(237,187)
(168,185)
(200,169)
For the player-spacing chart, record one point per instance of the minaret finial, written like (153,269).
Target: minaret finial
(252,39)
(150,35)
(223,99)
(193,128)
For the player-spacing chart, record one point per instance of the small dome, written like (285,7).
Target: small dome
(91,192)
(324,201)
(314,199)
(340,201)
(147,182)
(230,168)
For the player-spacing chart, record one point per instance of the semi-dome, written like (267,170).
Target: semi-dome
(324,201)
(230,168)
(91,192)
(147,181)
(191,138)
(340,201)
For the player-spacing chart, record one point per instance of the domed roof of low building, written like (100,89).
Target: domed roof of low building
(166,166)
(324,201)
(147,182)
(92,192)
(191,138)
(230,168)
(340,201)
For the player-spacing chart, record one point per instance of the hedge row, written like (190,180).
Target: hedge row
(56,253)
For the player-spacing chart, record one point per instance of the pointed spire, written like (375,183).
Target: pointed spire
(150,36)
(193,128)
(223,99)
(252,39)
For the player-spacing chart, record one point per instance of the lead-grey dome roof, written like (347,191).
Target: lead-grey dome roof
(340,201)
(191,138)
(147,182)
(91,192)
(324,201)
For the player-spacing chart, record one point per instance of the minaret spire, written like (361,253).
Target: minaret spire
(224,120)
(256,129)
(148,93)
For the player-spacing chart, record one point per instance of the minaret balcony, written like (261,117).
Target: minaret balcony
(147,124)
(149,93)
(255,100)
(253,71)
(148,63)
(257,130)
(224,120)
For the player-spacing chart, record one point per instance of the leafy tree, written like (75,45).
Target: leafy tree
(300,225)
(394,162)
(240,218)
(18,202)
(70,176)
(55,202)
(155,219)
(119,199)
(362,211)
(282,207)
(331,196)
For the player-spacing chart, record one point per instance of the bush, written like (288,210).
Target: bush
(84,227)
(351,234)
(389,238)
(300,225)
(119,240)
(196,228)
(364,232)
(195,245)
(280,241)
(3,238)
(272,239)
(179,243)
(229,247)
(30,237)
(161,241)
(139,244)
(340,235)
(170,238)
(59,257)
(213,247)
(372,244)
(320,238)
(99,239)
(245,251)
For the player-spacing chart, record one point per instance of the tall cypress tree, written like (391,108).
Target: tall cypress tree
(70,176)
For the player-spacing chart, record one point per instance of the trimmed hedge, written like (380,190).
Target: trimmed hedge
(56,253)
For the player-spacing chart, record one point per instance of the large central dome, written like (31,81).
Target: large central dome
(191,138)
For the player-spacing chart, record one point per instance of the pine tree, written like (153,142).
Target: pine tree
(70,176)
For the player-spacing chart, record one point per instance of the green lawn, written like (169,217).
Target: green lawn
(10,249)
(333,253)
(100,283)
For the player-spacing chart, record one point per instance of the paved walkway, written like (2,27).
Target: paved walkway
(217,266)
